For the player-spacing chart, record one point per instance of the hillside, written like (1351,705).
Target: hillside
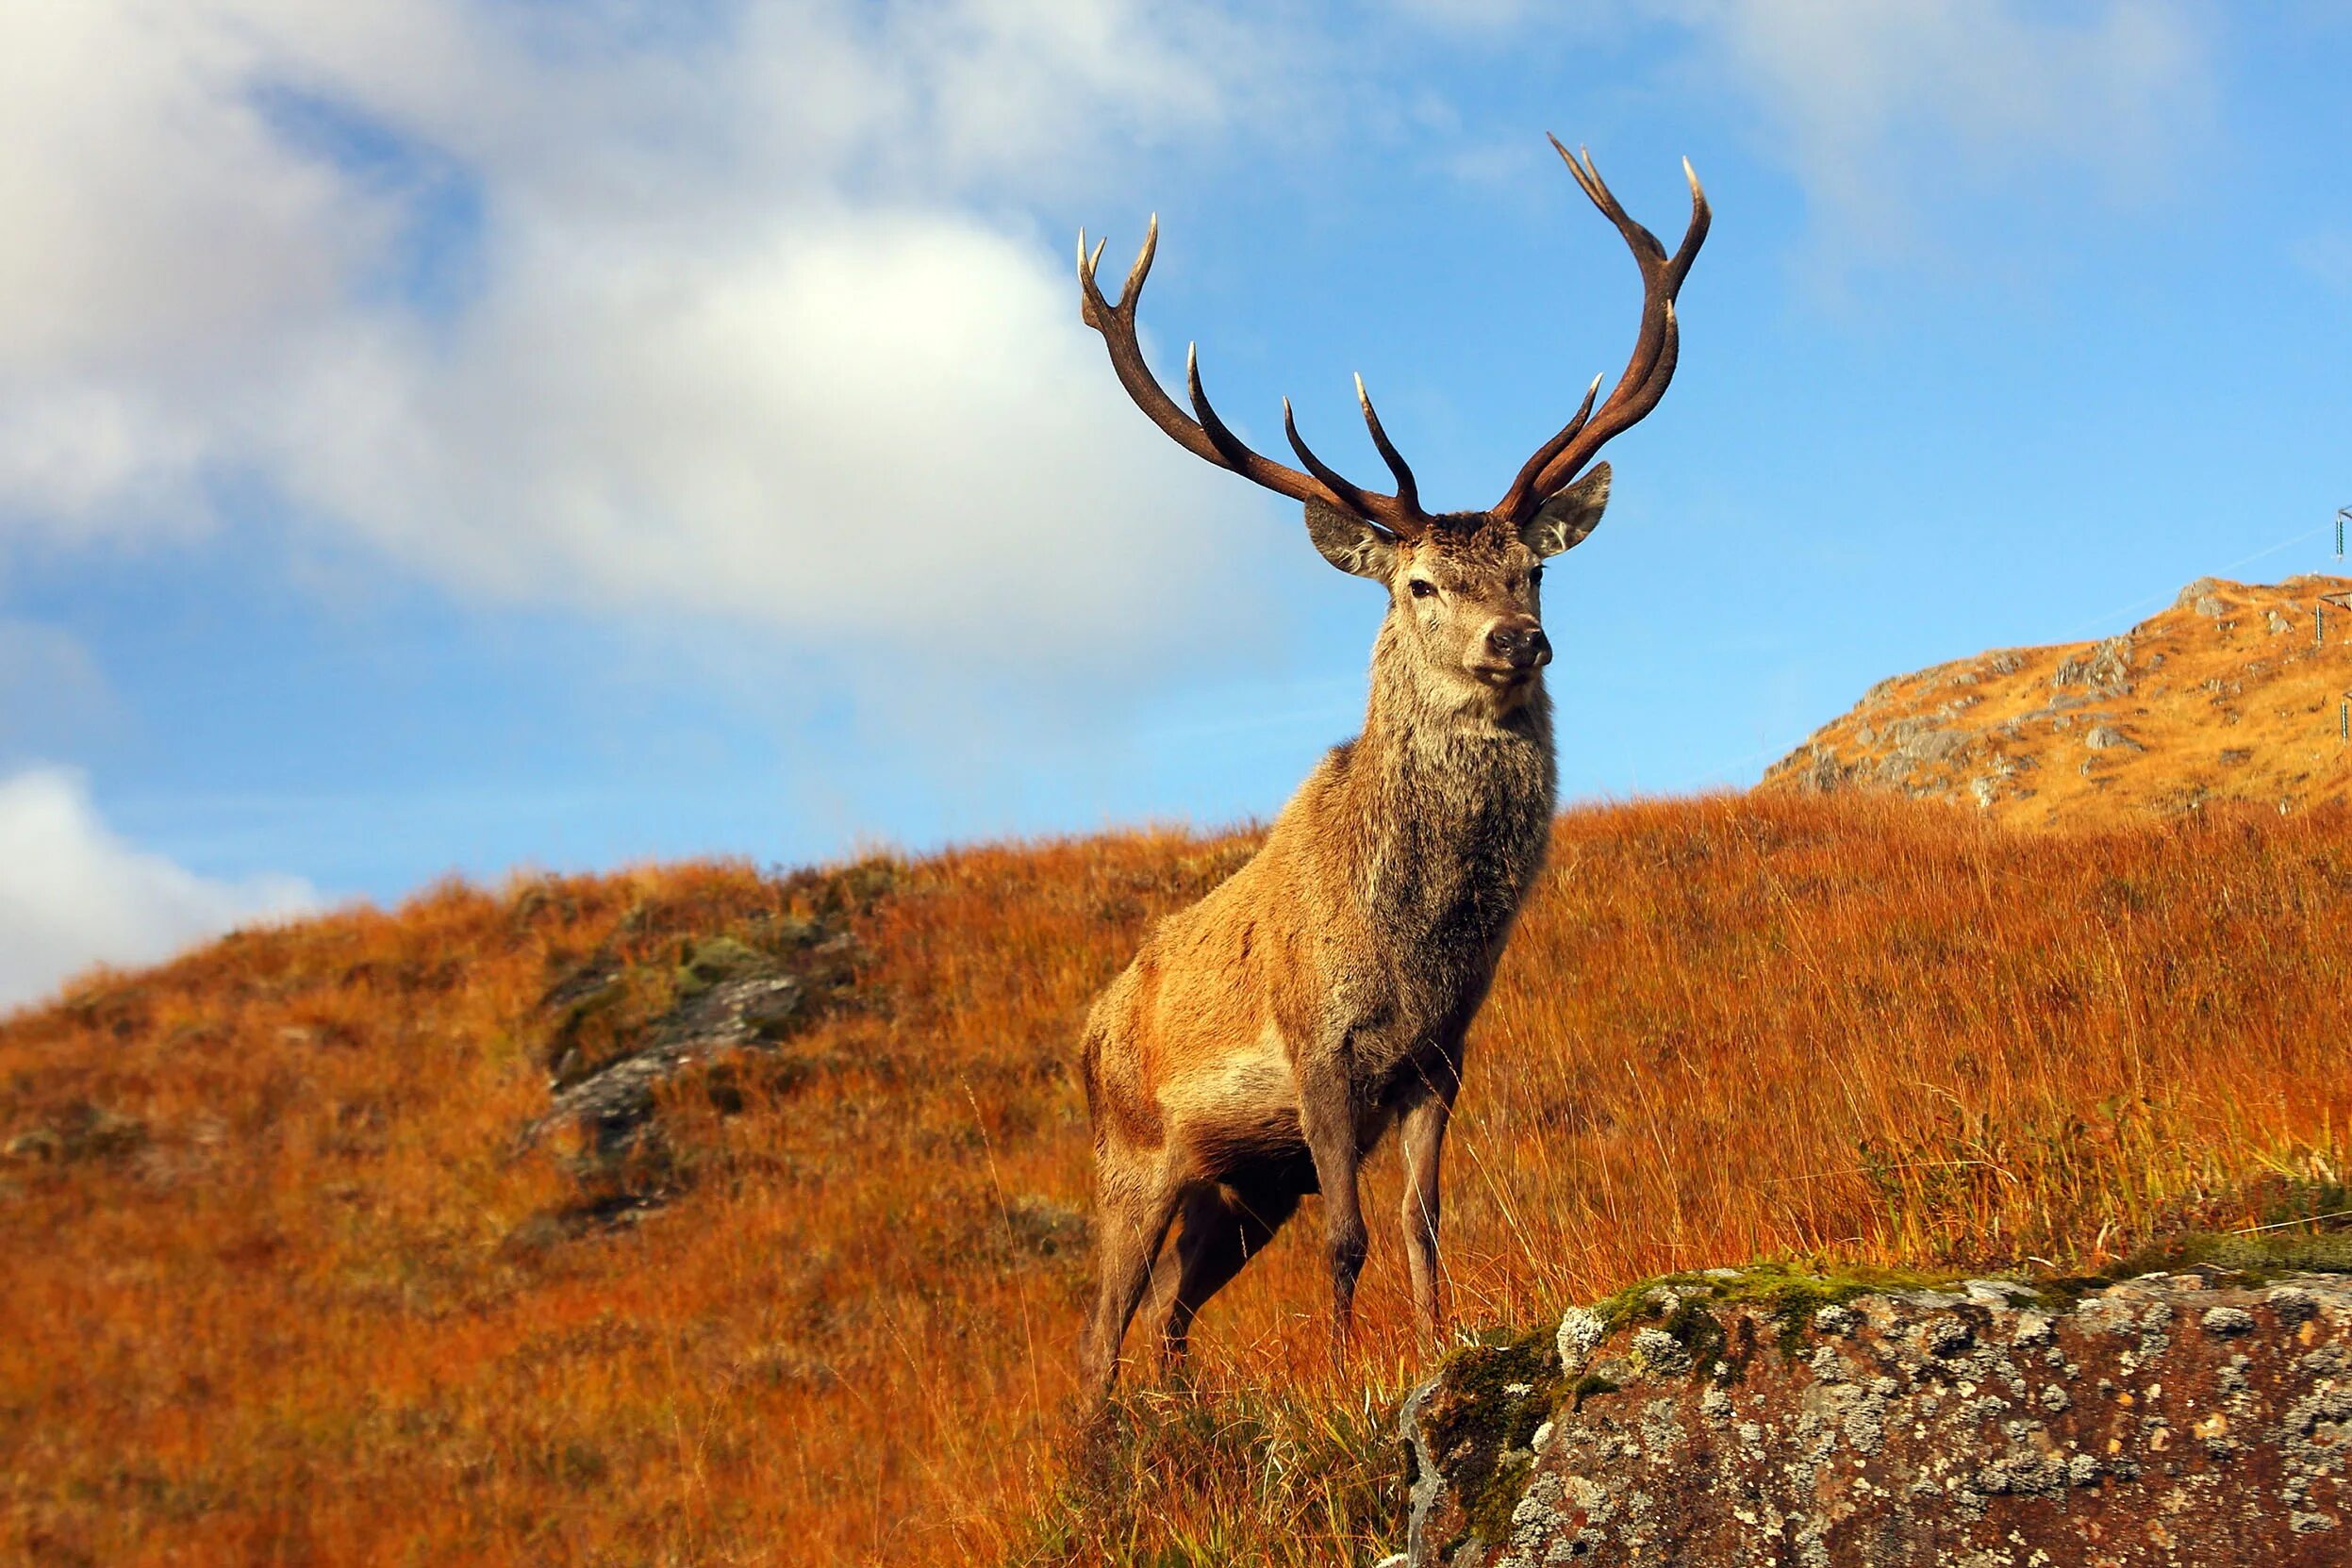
(2229,695)
(287,1284)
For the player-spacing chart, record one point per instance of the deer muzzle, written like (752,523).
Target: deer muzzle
(1518,644)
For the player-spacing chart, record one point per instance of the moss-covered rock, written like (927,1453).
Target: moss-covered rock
(2199,1413)
(710,1014)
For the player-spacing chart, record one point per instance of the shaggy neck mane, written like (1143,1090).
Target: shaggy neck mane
(1438,774)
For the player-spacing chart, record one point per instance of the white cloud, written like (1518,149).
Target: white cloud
(748,330)
(1873,101)
(858,427)
(158,217)
(737,340)
(1881,107)
(72,894)
(160,231)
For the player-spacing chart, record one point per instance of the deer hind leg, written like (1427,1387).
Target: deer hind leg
(1224,1228)
(1134,1205)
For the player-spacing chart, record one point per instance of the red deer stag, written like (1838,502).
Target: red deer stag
(1265,1039)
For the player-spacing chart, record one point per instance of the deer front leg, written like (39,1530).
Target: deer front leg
(1327,1116)
(1421,1139)
(1135,1203)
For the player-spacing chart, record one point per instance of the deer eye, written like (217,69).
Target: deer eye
(1422,590)
(1535,574)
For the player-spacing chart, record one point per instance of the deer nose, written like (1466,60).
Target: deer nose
(1520,643)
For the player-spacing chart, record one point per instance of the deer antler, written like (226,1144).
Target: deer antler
(1208,436)
(1637,391)
(1555,463)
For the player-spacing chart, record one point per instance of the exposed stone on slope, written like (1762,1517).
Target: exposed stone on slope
(80,1131)
(724,1014)
(1739,1417)
(2104,667)
(746,1012)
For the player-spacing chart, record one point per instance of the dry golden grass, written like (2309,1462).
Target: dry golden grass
(304,1310)
(2245,704)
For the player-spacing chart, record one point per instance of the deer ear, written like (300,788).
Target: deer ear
(1351,543)
(1565,519)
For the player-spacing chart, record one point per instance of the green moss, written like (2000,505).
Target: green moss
(598,1010)
(711,960)
(1788,1297)
(1481,1429)
(1588,1386)
(1699,1331)
(1486,1514)
(2243,1260)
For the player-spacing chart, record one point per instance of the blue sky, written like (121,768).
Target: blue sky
(461,434)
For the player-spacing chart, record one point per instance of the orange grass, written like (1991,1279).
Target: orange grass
(310,1318)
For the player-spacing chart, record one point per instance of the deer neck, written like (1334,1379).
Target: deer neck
(1418,724)
(1456,795)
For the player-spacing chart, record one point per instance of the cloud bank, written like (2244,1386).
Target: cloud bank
(733,312)
(598,309)
(1873,101)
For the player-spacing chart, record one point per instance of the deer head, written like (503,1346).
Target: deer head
(1463,585)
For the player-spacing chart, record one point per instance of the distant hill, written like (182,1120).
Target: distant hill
(2229,695)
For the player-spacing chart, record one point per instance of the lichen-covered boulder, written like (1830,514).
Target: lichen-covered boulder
(1763,1416)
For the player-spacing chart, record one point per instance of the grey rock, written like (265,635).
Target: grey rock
(2293,1303)
(1581,1331)
(1984,1425)
(1659,1354)
(2227,1321)
(2104,667)
(617,1098)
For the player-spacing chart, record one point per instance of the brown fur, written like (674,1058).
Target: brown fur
(1264,1040)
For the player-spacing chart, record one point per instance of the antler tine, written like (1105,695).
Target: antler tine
(1208,436)
(1656,347)
(1642,243)
(1231,448)
(1517,499)
(1338,483)
(1408,492)
(1142,269)
(1702,218)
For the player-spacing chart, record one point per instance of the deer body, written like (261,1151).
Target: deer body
(1417,833)
(1265,1040)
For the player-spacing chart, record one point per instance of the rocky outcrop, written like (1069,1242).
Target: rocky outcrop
(2238,692)
(1718,1420)
(725,1015)
(745,1001)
